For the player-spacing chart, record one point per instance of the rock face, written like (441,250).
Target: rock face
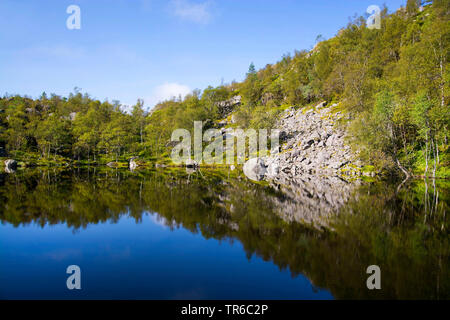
(227,106)
(312,166)
(312,143)
(11,164)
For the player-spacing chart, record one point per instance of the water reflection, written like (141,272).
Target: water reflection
(327,229)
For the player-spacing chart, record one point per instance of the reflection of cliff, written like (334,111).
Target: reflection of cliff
(380,227)
(313,199)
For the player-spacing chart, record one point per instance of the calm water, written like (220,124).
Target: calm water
(173,234)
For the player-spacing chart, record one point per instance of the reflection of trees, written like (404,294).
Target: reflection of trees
(384,226)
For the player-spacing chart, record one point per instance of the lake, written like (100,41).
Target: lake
(213,234)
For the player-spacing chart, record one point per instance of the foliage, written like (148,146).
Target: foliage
(393,82)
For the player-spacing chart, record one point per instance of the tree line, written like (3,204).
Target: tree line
(393,83)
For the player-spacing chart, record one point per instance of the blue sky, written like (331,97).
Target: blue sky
(154,49)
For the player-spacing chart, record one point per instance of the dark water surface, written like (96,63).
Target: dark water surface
(173,234)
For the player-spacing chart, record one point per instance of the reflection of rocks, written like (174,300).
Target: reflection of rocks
(112,164)
(8,170)
(235,209)
(310,198)
(230,224)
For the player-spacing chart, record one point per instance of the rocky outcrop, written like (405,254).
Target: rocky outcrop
(227,106)
(312,143)
(72,116)
(312,168)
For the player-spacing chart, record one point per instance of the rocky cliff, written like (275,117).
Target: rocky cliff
(312,143)
(315,169)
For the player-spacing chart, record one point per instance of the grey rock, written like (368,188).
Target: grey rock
(11,164)
(191,164)
(255,169)
(132,163)
(227,106)
(311,143)
(72,116)
(273,169)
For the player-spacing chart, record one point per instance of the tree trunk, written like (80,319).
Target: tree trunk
(402,168)
(435,157)
(442,83)
(426,155)
(437,151)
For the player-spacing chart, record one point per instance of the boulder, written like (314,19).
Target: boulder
(11,164)
(273,169)
(132,163)
(191,163)
(321,105)
(255,169)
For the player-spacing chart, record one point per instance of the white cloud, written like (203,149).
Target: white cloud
(167,91)
(191,11)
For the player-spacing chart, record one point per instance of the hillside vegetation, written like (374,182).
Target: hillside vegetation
(393,84)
